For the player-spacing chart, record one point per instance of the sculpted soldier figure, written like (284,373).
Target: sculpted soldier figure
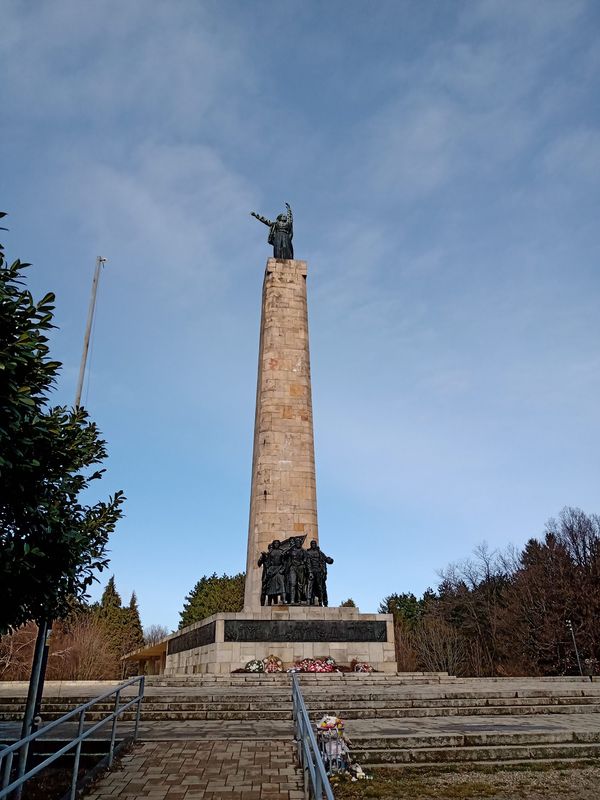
(263,561)
(317,573)
(296,573)
(281,232)
(274,584)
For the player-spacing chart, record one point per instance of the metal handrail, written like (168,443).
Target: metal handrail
(7,787)
(316,782)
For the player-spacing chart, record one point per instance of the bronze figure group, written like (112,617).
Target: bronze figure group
(294,575)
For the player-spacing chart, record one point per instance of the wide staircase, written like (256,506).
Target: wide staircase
(394,720)
(445,722)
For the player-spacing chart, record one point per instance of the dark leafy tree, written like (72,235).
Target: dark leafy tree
(51,544)
(404,605)
(558,579)
(349,603)
(213,594)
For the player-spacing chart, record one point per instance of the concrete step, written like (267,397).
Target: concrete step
(256,706)
(446,702)
(471,739)
(248,705)
(433,696)
(284,711)
(487,747)
(480,754)
(488,711)
(474,766)
(179,716)
(245,677)
(355,692)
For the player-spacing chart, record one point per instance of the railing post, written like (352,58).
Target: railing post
(7,770)
(77,756)
(139,707)
(113,732)
(34,680)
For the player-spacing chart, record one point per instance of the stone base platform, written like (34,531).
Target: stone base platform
(227,641)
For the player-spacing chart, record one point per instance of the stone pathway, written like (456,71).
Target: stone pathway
(204,770)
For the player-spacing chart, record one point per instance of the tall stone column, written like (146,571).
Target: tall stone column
(283,498)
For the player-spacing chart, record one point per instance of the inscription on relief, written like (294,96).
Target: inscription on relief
(196,638)
(304,631)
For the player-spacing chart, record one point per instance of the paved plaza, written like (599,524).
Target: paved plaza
(205,770)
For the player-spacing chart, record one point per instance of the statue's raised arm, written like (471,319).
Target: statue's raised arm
(260,218)
(281,232)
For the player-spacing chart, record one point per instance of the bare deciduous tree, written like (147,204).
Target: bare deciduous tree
(439,646)
(155,633)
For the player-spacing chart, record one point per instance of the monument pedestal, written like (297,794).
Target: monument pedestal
(227,641)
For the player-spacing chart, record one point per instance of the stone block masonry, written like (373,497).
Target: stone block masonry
(283,499)
(227,641)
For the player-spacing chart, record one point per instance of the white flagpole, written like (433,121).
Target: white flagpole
(86,339)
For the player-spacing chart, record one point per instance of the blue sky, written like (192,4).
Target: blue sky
(442,161)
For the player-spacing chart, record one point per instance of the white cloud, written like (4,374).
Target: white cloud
(167,211)
(95,62)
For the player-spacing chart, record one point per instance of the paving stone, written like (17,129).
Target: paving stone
(217,769)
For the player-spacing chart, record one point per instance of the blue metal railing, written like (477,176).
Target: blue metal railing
(316,782)
(7,754)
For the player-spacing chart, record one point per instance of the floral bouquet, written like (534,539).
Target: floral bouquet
(272,664)
(255,665)
(332,743)
(330,722)
(362,666)
(316,665)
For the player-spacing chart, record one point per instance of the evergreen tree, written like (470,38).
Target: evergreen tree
(135,632)
(121,624)
(113,617)
(349,603)
(110,597)
(213,594)
(405,606)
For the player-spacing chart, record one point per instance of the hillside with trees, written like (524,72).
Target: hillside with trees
(86,644)
(509,613)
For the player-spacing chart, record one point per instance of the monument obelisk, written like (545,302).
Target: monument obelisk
(283,494)
(283,499)
(291,618)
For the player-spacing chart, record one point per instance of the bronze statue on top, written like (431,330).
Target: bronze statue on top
(280,234)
